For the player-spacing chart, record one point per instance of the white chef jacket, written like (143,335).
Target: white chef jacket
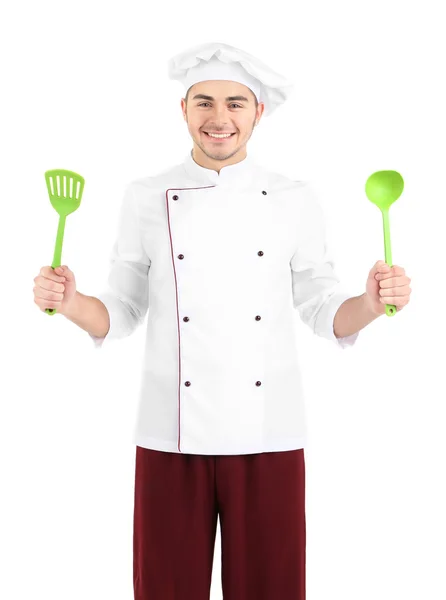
(219,261)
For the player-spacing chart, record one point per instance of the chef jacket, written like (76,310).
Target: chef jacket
(219,261)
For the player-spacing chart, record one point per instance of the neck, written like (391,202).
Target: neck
(217,164)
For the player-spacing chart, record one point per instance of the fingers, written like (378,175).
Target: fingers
(403,290)
(398,301)
(48,280)
(391,272)
(50,273)
(49,288)
(49,293)
(394,287)
(389,281)
(48,297)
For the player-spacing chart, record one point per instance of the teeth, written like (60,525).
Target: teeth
(219,135)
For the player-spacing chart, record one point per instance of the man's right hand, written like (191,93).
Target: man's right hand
(54,288)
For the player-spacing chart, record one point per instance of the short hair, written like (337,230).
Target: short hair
(255,97)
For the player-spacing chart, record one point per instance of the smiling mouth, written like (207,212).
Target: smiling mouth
(218,139)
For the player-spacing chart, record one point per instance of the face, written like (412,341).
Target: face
(220,107)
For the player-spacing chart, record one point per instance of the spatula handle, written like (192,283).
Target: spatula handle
(390,308)
(51,311)
(57,253)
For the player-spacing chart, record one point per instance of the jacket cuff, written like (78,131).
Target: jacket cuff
(119,320)
(324,325)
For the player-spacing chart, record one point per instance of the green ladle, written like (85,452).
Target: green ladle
(383,188)
(65,190)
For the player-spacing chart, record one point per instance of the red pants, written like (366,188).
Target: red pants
(260,501)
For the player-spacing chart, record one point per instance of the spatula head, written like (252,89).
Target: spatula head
(65,190)
(384,187)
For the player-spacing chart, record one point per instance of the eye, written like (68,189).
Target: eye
(232,104)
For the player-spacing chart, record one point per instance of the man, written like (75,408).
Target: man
(222,250)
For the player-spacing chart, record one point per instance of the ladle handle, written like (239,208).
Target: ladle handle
(390,308)
(57,253)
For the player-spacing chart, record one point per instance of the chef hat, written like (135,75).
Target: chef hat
(217,61)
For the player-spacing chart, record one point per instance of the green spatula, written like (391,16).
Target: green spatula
(65,190)
(383,188)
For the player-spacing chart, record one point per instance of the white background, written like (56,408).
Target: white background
(85,87)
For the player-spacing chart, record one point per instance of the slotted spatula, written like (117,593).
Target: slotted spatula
(383,188)
(65,191)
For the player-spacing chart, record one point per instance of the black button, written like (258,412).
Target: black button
(187,383)
(264,193)
(186,319)
(258,318)
(260,253)
(175,197)
(258,383)
(181,256)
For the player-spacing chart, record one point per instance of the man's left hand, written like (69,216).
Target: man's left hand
(387,285)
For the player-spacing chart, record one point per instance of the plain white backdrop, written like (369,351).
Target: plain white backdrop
(85,88)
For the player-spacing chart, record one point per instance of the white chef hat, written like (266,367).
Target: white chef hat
(217,61)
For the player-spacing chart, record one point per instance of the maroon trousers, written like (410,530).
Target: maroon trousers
(260,501)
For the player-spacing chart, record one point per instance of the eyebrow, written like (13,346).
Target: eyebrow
(228,99)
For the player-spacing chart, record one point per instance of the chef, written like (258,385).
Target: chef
(220,251)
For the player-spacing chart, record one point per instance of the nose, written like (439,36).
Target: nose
(220,116)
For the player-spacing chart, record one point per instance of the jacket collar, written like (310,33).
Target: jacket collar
(230,175)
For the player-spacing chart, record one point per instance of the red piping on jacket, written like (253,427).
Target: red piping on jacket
(176,294)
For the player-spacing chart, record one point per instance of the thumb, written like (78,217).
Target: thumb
(64,271)
(380,267)
(380,263)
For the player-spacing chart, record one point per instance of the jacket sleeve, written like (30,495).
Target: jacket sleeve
(127,295)
(317,292)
